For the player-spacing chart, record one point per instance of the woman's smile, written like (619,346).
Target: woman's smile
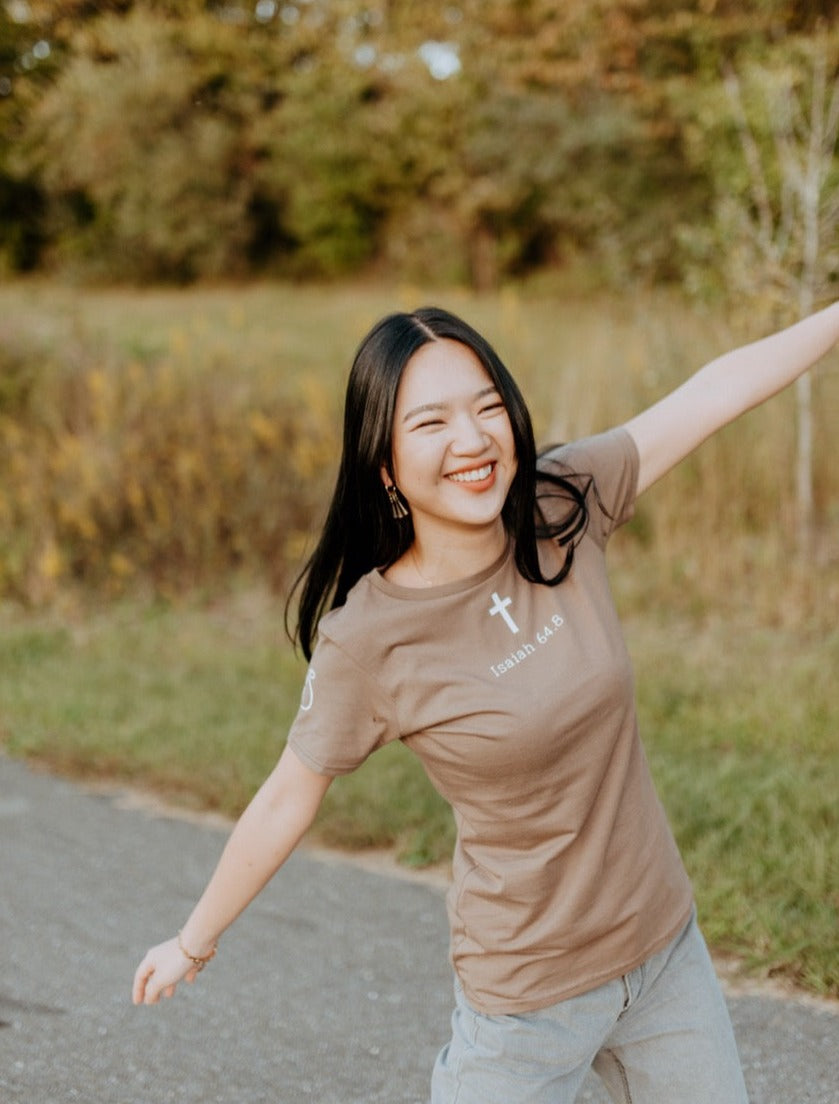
(473,475)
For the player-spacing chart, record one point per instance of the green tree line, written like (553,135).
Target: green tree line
(476,140)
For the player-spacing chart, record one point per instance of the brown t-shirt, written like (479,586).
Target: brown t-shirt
(519,700)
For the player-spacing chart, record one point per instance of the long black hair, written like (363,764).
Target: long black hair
(360,532)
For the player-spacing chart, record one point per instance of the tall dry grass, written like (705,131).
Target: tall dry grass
(169,438)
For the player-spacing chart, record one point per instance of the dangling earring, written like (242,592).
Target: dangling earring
(397,506)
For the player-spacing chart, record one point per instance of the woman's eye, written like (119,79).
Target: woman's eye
(492,408)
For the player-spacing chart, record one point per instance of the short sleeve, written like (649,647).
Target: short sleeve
(609,462)
(343,716)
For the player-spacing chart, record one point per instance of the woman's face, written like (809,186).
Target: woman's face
(453,450)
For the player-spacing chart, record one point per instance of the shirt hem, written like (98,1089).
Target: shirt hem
(328,771)
(518,1007)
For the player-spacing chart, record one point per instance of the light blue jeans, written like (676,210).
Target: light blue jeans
(659,1035)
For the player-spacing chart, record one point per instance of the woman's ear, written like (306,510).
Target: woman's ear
(387,478)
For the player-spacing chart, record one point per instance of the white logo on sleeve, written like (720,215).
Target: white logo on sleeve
(307,699)
(500,606)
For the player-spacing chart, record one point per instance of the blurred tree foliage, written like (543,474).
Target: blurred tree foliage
(480,139)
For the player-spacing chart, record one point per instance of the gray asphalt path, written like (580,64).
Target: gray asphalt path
(333,988)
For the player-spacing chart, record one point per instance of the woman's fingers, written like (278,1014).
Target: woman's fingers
(159,973)
(141,979)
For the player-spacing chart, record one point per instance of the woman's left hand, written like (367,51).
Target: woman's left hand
(726,388)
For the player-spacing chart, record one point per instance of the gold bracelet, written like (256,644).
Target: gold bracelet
(197,960)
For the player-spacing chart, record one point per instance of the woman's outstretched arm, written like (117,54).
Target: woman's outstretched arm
(265,835)
(725,388)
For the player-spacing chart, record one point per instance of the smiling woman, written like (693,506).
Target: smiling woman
(573,931)
(436,368)
(453,461)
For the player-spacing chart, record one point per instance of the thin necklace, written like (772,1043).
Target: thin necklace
(425,579)
(415,561)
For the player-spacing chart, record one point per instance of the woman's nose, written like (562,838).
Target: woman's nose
(469,436)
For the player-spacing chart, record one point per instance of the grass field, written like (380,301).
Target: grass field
(735,646)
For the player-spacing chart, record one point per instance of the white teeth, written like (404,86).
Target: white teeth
(474,476)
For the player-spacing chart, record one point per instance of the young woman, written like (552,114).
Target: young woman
(457,600)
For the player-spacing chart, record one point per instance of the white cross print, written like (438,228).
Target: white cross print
(501,607)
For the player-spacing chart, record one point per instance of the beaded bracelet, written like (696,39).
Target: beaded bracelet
(197,961)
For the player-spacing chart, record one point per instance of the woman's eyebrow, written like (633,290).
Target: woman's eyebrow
(425,407)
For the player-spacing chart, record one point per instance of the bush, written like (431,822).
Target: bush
(121,470)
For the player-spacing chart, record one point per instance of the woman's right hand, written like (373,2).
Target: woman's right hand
(265,835)
(163,967)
